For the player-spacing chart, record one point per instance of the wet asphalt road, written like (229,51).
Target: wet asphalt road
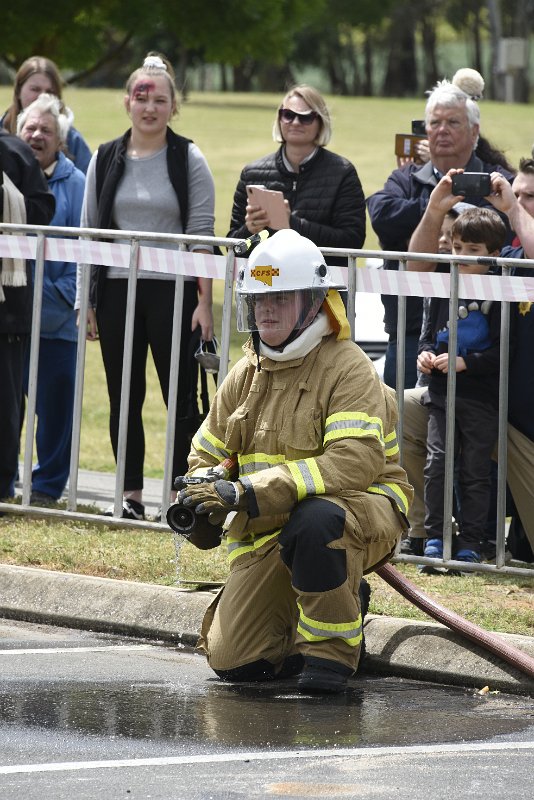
(91,716)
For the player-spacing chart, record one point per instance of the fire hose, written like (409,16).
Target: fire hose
(489,641)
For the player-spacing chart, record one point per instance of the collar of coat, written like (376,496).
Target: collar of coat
(427,175)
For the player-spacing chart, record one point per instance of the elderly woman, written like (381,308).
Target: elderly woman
(323,194)
(44,127)
(38,75)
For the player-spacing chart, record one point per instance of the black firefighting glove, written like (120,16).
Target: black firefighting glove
(214,499)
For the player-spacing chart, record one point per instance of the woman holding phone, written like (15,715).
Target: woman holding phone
(324,200)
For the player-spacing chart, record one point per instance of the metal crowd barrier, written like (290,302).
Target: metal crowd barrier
(106,247)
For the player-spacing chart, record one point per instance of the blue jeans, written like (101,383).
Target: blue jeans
(54,407)
(410,362)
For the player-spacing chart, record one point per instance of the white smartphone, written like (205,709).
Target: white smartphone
(270,201)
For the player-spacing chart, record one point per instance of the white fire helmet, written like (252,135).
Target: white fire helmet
(285,264)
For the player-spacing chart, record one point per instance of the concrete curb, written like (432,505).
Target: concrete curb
(102,604)
(432,652)
(400,647)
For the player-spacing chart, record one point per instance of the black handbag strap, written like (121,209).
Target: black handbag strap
(204,392)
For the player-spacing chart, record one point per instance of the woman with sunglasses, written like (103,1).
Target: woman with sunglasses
(323,195)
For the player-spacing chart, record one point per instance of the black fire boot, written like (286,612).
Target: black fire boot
(322,676)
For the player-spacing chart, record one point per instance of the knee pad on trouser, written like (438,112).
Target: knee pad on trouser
(304,539)
(260,670)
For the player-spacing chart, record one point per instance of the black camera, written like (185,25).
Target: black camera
(419,127)
(471,184)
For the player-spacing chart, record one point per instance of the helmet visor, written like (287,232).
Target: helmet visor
(277,314)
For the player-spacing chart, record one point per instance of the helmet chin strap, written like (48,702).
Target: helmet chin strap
(256,345)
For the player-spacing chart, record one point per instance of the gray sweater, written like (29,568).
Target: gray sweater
(146,201)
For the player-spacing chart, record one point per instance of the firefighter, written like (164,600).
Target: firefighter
(320,499)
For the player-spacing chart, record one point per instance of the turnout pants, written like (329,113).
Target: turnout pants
(520,471)
(298,593)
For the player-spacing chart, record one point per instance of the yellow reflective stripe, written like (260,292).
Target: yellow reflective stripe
(236,547)
(391,444)
(299,480)
(392,490)
(314,631)
(254,462)
(204,440)
(353,424)
(307,477)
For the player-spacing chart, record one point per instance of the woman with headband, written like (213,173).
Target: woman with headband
(149,179)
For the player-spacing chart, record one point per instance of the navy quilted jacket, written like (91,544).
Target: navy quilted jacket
(326,198)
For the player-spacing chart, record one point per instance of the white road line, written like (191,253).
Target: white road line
(282,755)
(45,651)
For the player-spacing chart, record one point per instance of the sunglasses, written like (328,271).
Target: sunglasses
(286,115)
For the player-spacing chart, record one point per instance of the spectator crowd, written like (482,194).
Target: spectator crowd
(153,179)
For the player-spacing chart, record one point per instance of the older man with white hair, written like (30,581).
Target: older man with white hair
(452,120)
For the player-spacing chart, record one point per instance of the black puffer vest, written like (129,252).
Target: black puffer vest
(110,164)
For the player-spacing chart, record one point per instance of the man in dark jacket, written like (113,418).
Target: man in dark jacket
(23,186)
(452,125)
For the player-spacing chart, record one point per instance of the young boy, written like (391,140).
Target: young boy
(415,417)
(476,232)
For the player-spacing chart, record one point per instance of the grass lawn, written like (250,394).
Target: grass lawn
(231,130)
(494,602)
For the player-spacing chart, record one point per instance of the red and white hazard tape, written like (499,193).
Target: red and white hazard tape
(114,254)
(437,284)
(205,265)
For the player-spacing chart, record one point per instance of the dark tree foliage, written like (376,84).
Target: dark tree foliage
(260,45)
(401,73)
